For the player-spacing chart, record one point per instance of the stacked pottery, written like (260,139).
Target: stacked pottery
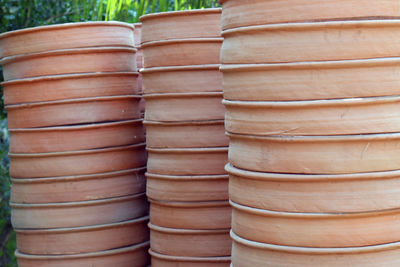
(139,62)
(77,152)
(312,91)
(187,185)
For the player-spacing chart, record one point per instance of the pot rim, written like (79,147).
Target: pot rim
(83,255)
(199,150)
(180,41)
(83,228)
(185,258)
(183,95)
(69,51)
(179,231)
(191,204)
(184,123)
(76,152)
(181,68)
(75,178)
(187,177)
(77,203)
(180,12)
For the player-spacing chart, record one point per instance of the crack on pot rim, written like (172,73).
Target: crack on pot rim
(183,123)
(196,68)
(183,95)
(180,13)
(192,259)
(168,230)
(194,204)
(182,41)
(187,177)
(200,150)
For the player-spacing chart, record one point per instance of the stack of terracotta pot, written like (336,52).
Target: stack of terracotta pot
(312,96)
(139,62)
(77,145)
(187,184)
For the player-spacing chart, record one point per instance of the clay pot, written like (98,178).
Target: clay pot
(58,87)
(69,138)
(314,193)
(69,163)
(254,254)
(312,80)
(77,60)
(187,188)
(137,34)
(187,161)
(160,260)
(186,134)
(64,36)
(202,215)
(200,23)
(83,239)
(78,188)
(73,111)
(316,154)
(190,243)
(121,257)
(182,79)
(178,52)
(184,106)
(317,41)
(315,117)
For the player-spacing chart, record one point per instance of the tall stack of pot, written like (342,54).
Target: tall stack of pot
(187,149)
(312,91)
(77,152)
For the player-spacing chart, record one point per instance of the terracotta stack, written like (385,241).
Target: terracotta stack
(139,62)
(312,91)
(77,147)
(187,184)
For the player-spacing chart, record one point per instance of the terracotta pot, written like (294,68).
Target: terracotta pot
(139,60)
(64,36)
(312,80)
(239,13)
(316,154)
(178,52)
(187,188)
(75,214)
(76,60)
(186,134)
(78,188)
(184,106)
(314,193)
(83,239)
(202,215)
(73,111)
(317,41)
(160,260)
(68,86)
(200,23)
(315,117)
(190,243)
(137,34)
(69,163)
(187,161)
(182,79)
(254,254)
(69,138)
(121,257)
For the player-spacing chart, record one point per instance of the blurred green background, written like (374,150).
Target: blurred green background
(19,14)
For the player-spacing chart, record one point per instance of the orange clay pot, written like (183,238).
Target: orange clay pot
(317,41)
(70,163)
(64,36)
(187,188)
(254,254)
(316,154)
(137,34)
(312,80)
(184,106)
(186,134)
(77,60)
(135,255)
(187,161)
(199,215)
(73,111)
(176,52)
(76,214)
(160,260)
(315,117)
(315,193)
(239,13)
(182,79)
(78,188)
(83,239)
(67,138)
(58,87)
(328,230)
(190,243)
(200,23)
